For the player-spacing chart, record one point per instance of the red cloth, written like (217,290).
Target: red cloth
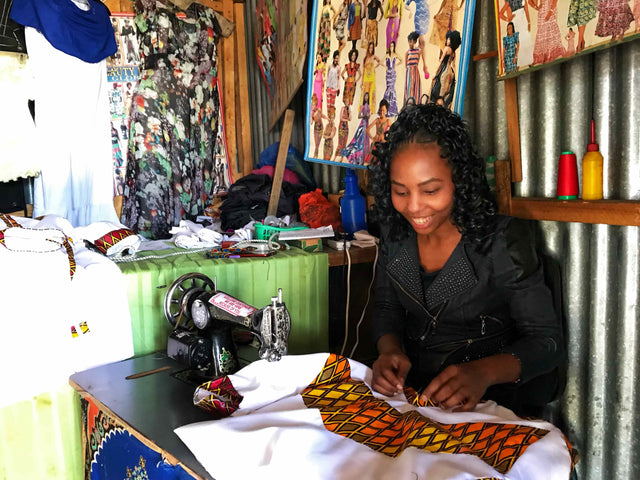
(316,211)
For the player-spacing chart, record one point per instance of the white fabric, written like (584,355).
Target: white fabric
(18,156)
(73,135)
(189,234)
(41,303)
(275,436)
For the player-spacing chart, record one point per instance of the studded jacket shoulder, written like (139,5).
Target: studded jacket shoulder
(487,299)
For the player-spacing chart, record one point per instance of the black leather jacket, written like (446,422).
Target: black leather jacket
(479,304)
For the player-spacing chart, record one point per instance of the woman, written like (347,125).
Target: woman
(358,149)
(380,125)
(393,12)
(369,64)
(412,57)
(340,23)
(548,44)
(510,45)
(444,83)
(461,311)
(392,59)
(350,75)
(324,31)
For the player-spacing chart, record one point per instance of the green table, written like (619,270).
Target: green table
(303,277)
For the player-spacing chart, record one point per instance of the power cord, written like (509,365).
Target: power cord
(346,313)
(364,310)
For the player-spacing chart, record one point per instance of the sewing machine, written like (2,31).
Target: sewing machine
(204,320)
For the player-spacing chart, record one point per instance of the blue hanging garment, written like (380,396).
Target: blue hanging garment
(87,35)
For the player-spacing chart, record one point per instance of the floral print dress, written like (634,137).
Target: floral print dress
(174,120)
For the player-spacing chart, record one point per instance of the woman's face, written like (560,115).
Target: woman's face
(510,30)
(371,48)
(422,190)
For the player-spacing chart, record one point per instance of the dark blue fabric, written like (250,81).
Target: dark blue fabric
(87,35)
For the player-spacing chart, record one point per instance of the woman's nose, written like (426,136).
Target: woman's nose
(413,203)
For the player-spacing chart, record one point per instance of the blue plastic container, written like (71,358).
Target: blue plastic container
(352,205)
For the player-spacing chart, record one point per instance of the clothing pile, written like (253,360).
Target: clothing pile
(248,199)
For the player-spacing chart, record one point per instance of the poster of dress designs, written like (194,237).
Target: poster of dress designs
(532,33)
(368,58)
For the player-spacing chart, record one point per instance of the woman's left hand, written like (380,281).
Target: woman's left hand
(459,386)
(462,386)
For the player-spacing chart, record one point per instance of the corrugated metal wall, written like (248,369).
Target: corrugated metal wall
(600,263)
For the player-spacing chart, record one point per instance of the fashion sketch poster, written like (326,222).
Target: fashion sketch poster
(532,33)
(368,58)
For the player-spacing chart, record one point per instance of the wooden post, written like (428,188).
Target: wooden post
(513,128)
(503,186)
(281,161)
(229,92)
(242,98)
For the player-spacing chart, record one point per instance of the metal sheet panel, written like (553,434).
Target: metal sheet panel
(600,263)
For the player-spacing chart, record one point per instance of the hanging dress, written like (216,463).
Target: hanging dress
(390,90)
(174,120)
(68,47)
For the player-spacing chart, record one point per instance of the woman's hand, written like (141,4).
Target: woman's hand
(462,386)
(389,372)
(391,368)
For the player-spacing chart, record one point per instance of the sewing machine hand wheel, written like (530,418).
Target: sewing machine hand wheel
(180,296)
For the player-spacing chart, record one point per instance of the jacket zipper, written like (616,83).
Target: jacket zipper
(433,323)
(484,317)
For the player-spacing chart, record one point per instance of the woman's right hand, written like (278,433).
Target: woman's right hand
(390,371)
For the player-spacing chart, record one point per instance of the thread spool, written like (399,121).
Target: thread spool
(567,186)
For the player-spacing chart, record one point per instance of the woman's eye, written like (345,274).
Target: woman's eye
(399,194)
(430,192)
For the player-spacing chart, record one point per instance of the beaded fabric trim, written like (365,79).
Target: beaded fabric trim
(62,241)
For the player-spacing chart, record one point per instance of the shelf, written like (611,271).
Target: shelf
(358,255)
(610,212)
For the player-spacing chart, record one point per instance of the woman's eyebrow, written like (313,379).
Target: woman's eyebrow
(430,180)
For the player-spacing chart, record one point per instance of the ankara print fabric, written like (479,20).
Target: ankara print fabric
(317,414)
(174,120)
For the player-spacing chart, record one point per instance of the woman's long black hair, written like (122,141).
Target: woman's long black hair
(474,209)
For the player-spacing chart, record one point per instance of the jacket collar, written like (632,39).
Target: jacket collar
(456,276)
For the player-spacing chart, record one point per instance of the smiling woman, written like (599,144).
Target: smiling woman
(462,312)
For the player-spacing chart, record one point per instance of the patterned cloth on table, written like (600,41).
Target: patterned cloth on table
(318,414)
(174,120)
